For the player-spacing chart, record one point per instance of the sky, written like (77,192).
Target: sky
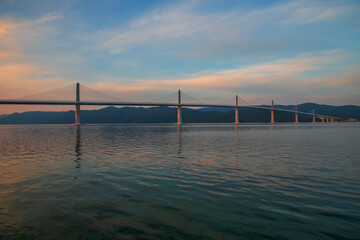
(287,51)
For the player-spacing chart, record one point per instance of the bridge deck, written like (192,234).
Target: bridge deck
(143,104)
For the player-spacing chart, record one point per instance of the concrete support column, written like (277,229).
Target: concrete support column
(314,118)
(77,105)
(296,115)
(236,110)
(179,120)
(323,119)
(272,112)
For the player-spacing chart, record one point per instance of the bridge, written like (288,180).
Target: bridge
(44,99)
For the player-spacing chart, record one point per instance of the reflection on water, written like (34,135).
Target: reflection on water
(180,182)
(179,141)
(77,147)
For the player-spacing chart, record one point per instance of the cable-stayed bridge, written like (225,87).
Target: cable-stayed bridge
(78,95)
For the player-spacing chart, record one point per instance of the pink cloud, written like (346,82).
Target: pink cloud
(276,71)
(19,76)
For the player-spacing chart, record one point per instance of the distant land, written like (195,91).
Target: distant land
(168,115)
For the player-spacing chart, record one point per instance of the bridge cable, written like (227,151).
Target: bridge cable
(66,93)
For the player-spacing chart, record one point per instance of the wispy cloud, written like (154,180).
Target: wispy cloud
(170,23)
(315,11)
(182,24)
(266,79)
(19,75)
(49,17)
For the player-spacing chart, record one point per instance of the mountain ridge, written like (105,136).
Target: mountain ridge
(169,115)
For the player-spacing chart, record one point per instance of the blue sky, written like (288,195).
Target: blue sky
(289,51)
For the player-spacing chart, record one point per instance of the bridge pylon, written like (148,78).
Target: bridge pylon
(77,105)
(272,112)
(179,117)
(314,117)
(236,110)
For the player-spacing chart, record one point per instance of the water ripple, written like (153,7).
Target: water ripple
(197,182)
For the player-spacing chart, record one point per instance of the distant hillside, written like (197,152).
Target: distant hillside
(346,111)
(169,115)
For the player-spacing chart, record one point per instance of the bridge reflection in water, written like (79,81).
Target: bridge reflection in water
(77,148)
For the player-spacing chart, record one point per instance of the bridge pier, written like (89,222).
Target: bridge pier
(77,105)
(272,112)
(179,119)
(314,118)
(296,115)
(236,110)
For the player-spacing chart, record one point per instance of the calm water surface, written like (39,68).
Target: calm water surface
(197,182)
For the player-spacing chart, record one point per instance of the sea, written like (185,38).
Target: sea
(196,181)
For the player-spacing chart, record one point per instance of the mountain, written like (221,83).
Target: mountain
(169,115)
(346,111)
(216,109)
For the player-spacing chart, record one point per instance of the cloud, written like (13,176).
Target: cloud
(170,23)
(49,17)
(349,78)
(6,27)
(315,11)
(19,75)
(254,82)
(182,24)
(19,80)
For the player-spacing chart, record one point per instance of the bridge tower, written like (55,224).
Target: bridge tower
(272,112)
(314,118)
(236,110)
(179,119)
(296,115)
(77,105)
